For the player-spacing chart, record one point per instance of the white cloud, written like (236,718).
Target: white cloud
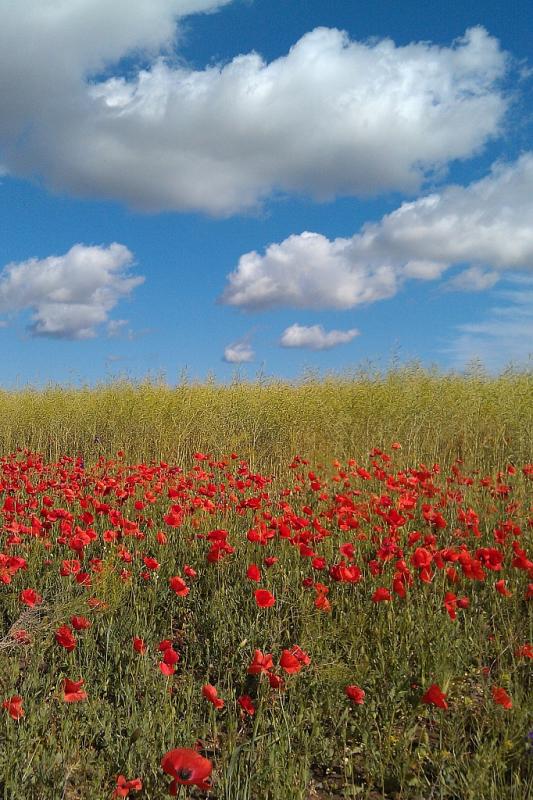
(331,117)
(315,337)
(239,352)
(473,279)
(116,328)
(487,225)
(308,271)
(69,295)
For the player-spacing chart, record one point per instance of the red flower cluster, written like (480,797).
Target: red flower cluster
(360,533)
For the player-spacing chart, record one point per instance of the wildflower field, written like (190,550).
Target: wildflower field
(268,591)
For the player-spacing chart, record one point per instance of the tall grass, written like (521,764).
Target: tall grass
(436,417)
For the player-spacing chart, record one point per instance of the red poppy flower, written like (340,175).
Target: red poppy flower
(261,662)
(289,663)
(347,550)
(526,651)
(356,694)
(502,588)
(80,623)
(13,707)
(450,604)
(322,603)
(246,703)
(187,768)
(65,638)
(139,646)
(264,598)
(83,578)
(170,658)
(421,558)
(21,636)
(210,693)
(301,655)
(435,697)
(253,573)
(124,787)
(398,586)
(179,586)
(97,604)
(381,595)
(500,696)
(452,575)
(30,598)
(189,571)
(275,681)
(70,567)
(72,691)
(345,574)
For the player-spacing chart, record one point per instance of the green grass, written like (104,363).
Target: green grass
(307,742)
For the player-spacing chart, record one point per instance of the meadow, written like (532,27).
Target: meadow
(301,591)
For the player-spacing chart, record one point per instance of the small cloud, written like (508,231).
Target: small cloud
(70,295)
(112,358)
(115,327)
(474,279)
(315,337)
(240,352)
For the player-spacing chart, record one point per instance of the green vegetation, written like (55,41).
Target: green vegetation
(307,740)
(482,419)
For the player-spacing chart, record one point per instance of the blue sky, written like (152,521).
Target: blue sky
(212,186)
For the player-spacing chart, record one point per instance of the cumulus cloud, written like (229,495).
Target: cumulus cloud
(308,271)
(70,295)
(315,337)
(486,225)
(332,116)
(240,352)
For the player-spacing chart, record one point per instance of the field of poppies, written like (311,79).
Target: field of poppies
(335,604)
